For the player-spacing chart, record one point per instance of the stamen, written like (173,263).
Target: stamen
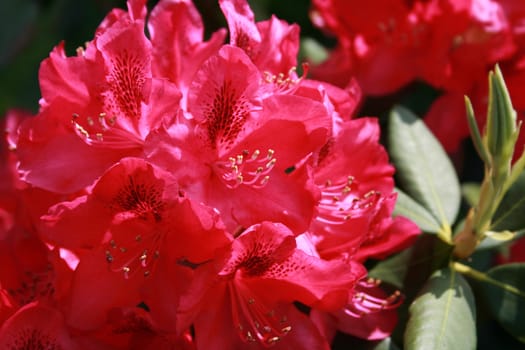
(242,170)
(338,204)
(104,132)
(285,83)
(366,300)
(254,320)
(136,256)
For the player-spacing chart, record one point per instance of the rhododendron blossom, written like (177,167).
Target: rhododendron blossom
(250,289)
(186,193)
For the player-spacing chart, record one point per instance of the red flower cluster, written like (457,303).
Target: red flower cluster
(448,44)
(180,193)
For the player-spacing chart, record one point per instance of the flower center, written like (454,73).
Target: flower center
(285,83)
(140,198)
(225,115)
(132,255)
(104,132)
(254,320)
(33,285)
(31,338)
(245,169)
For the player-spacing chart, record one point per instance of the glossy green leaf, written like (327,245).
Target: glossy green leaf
(409,208)
(424,170)
(443,315)
(506,302)
(510,212)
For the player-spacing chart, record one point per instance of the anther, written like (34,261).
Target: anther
(271,163)
(265,180)
(273,340)
(249,336)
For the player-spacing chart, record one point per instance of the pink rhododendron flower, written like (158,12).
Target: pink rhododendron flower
(177,192)
(96,108)
(232,148)
(36,325)
(141,220)
(388,44)
(246,293)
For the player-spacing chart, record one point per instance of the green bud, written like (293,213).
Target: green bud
(502,130)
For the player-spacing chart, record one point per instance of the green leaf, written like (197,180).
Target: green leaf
(424,170)
(443,315)
(313,50)
(393,269)
(475,135)
(491,243)
(506,302)
(509,215)
(409,208)
(470,191)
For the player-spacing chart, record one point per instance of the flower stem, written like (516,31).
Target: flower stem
(483,277)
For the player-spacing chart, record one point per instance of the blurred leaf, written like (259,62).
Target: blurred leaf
(385,344)
(507,304)
(393,269)
(491,243)
(470,191)
(409,208)
(443,315)
(411,268)
(424,170)
(312,51)
(503,236)
(510,213)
